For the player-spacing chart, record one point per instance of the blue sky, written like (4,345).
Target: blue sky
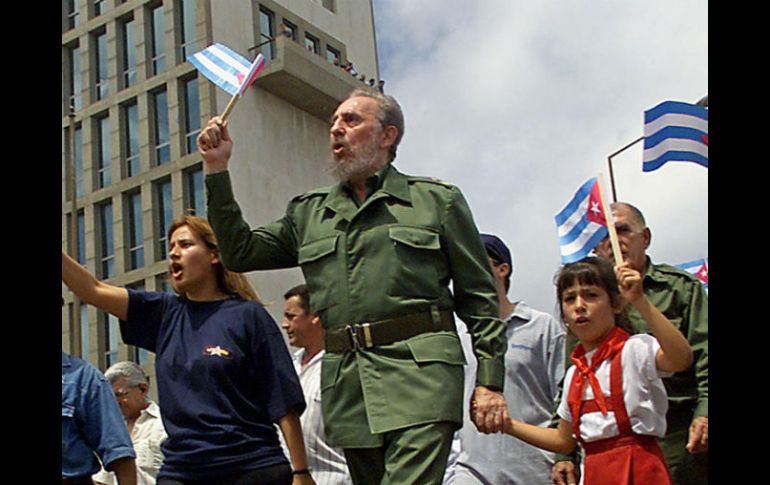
(520,102)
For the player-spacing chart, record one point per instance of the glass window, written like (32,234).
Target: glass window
(111,338)
(103,154)
(135,232)
(99,7)
(332,55)
(162,284)
(85,340)
(73,14)
(81,237)
(195,192)
(188,33)
(77,153)
(266,33)
(161,137)
(102,84)
(128,53)
(106,242)
(74,87)
(158,44)
(192,116)
(312,44)
(328,5)
(131,139)
(288,29)
(164,216)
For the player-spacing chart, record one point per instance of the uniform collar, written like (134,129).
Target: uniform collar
(386,182)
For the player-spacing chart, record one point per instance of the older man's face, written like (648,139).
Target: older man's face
(356,141)
(633,238)
(132,399)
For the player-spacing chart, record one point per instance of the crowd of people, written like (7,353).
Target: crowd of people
(385,386)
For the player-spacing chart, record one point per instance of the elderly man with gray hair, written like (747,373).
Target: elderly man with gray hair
(131,385)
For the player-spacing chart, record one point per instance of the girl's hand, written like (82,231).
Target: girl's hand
(629,282)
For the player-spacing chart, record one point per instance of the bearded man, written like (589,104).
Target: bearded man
(378,251)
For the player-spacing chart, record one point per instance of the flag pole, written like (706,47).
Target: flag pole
(610,223)
(229,107)
(609,162)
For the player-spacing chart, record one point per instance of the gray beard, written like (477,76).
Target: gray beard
(358,165)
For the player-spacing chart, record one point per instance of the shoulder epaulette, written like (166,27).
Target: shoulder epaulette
(412,179)
(319,192)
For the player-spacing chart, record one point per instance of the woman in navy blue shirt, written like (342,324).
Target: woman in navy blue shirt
(224,373)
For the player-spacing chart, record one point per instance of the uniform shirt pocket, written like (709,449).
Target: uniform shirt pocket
(316,258)
(414,271)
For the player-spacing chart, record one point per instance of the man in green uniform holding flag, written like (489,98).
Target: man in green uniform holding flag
(378,251)
(682,299)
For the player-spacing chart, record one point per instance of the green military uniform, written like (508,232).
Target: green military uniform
(390,258)
(682,299)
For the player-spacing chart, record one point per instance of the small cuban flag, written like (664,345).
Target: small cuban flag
(226,68)
(698,268)
(582,224)
(675,131)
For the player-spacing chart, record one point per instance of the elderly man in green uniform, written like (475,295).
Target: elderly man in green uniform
(683,300)
(378,251)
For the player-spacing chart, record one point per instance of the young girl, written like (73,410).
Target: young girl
(615,403)
(224,374)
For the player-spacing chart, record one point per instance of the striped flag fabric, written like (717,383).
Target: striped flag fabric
(675,131)
(698,268)
(582,224)
(226,68)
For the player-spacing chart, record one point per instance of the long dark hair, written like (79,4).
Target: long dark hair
(599,272)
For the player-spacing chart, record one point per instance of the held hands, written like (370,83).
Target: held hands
(489,411)
(629,282)
(699,435)
(564,473)
(215,145)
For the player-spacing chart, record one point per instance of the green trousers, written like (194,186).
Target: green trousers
(414,455)
(685,468)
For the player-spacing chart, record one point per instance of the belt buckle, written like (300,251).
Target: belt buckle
(353,334)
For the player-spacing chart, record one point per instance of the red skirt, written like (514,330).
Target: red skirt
(625,460)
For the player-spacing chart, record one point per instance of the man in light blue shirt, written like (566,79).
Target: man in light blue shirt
(534,365)
(91,425)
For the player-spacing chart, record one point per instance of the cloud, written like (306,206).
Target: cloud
(520,102)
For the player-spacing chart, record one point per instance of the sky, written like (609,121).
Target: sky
(520,102)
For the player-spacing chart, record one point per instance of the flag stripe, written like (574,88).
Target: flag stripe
(674,132)
(580,249)
(675,107)
(674,119)
(674,156)
(221,65)
(224,79)
(576,201)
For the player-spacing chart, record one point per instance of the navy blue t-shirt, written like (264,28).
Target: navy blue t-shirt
(224,377)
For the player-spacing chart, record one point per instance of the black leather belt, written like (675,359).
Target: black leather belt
(366,335)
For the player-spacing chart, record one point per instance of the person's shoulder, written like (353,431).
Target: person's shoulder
(86,370)
(664,271)
(429,182)
(319,193)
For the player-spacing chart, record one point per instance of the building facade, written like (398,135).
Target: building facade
(132,107)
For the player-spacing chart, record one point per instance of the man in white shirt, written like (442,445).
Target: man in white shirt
(131,385)
(304,329)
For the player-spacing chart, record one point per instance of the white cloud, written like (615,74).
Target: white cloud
(519,102)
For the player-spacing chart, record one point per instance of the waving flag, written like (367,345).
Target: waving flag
(698,268)
(582,224)
(226,68)
(675,131)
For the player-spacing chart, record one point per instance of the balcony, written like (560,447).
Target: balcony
(306,80)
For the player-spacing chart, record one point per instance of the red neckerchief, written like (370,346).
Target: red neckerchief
(583,372)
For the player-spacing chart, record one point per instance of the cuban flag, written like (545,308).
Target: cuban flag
(698,268)
(675,131)
(226,68)
(582,224)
